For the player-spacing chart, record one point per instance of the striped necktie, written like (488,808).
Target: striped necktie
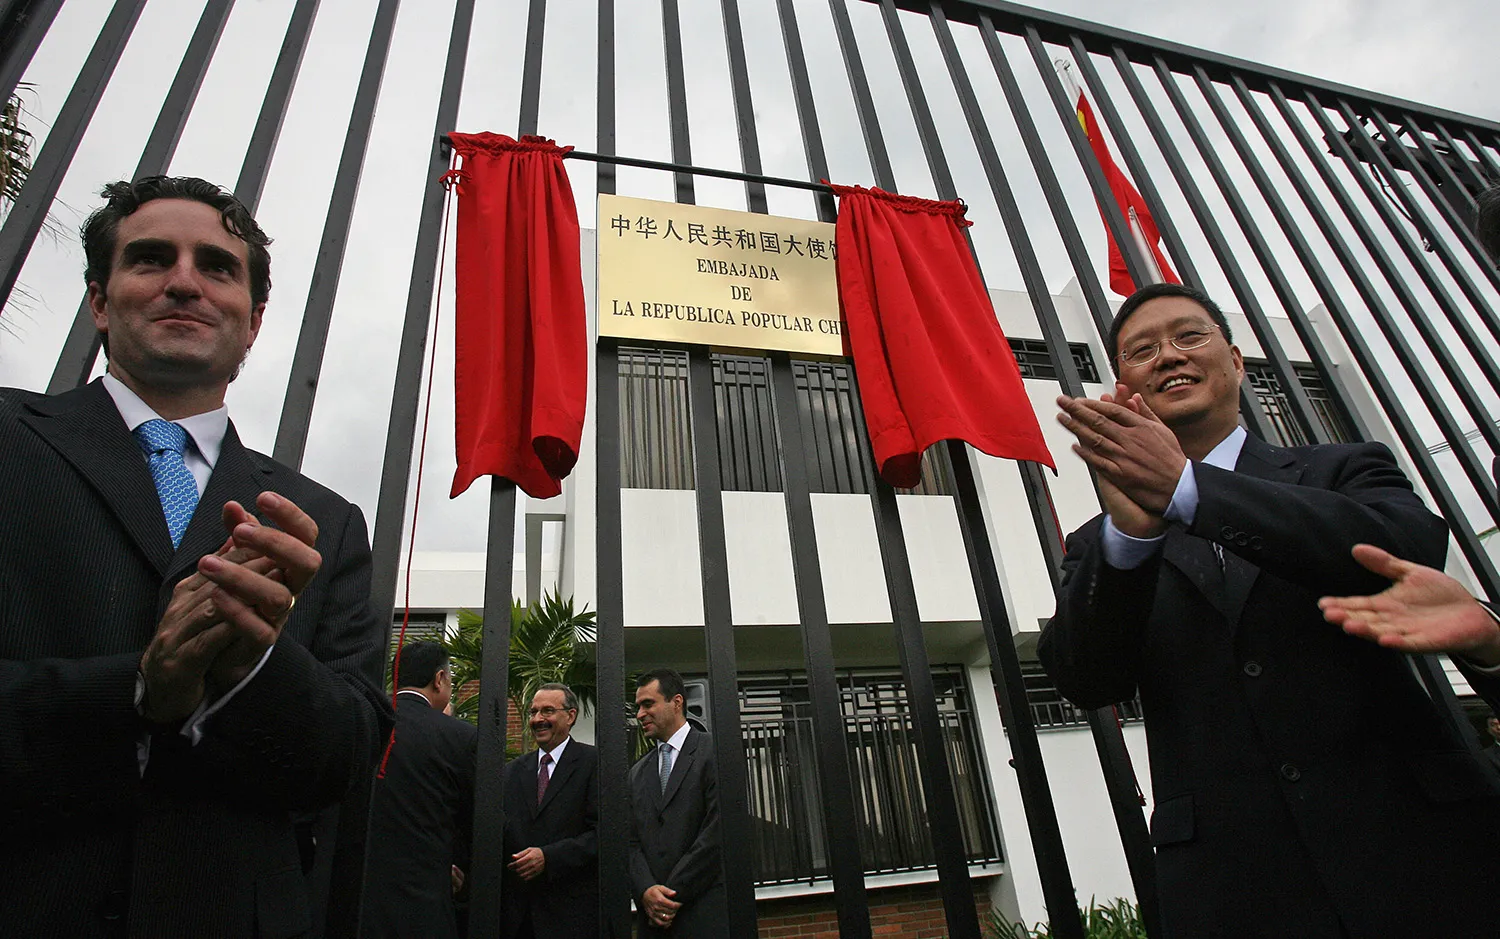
(664,764)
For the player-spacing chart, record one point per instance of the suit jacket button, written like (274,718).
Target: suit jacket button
(1242,539)
(112,907)
(1290,773)
(1227,532)
(1252,669)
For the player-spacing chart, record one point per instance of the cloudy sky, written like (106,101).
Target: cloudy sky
(1443,56)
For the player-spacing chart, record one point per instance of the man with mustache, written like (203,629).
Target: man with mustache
(188,659)
(1305,784)
(551,886)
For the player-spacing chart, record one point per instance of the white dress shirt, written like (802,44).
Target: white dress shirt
(556,753)
(206,435)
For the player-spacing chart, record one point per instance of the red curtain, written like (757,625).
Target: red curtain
(520,376)
(930,358)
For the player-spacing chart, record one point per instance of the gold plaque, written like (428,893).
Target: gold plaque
(686,273)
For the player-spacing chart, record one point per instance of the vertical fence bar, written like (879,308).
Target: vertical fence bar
(1057,882)
(1435,242)
(1119,777)
(1483,155)
(836,787)
(30,208)
(81,347)
(718,619)
(486,895)
(268,123)
(614,757)
(1400,232)
(1445,168)
(1260,324)
(1445,207)
(312,339)
(1041,163)
(22,26)
(1250,411)
(1321,359)
(1389,398)
(395,471)
(1471,170)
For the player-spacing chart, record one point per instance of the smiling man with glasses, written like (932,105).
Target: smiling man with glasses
(551,884)
(1304,783)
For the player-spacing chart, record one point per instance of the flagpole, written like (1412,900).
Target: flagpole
(1143,245)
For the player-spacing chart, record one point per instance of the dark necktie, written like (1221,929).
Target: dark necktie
(543,777)
(175,486)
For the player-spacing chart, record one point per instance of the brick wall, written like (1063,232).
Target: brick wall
(909,912)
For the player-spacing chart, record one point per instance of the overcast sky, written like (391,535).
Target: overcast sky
(1441,53)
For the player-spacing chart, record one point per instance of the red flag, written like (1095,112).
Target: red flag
(521,371)
(1143,226)
(931,360)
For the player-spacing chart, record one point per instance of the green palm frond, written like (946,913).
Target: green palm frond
(15,148)
(547,644)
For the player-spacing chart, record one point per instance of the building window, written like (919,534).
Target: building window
(834,439)
(749,458)
(1035,362)
(1277,407)
(1050,709)
(421,627)
(656,446)
(656,449)
(784,799)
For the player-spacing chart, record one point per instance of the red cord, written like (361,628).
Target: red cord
(448,180)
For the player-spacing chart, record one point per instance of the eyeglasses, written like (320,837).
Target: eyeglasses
(548,713)
(1185,341)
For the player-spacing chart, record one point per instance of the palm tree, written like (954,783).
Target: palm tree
(15,149)
(546,645)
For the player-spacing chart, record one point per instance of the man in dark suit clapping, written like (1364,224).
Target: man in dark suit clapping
(423,808)
(551,888)
(165,713)
(676,869)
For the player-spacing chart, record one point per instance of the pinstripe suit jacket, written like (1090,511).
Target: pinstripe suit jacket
(203,845)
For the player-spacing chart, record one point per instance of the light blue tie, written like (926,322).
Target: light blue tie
(664,764)
(175,485)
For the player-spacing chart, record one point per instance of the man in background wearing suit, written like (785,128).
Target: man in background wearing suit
(422,811)
(1305,784)
(676,871)
(551,888)
(165,712)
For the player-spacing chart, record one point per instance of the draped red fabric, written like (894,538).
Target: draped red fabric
(931,360)
(521,370)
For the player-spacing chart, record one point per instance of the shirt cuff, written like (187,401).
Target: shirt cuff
(1126,552)
(1485,669)
(193,729)
(1184,505)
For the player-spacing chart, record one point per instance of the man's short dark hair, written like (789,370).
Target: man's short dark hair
(123,198)
(670,682)
(570,700)
(1155,292)
(1487,224)
(418,663)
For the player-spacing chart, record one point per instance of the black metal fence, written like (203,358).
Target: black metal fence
(1350,202)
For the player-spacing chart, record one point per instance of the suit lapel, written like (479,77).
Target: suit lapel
(235,477)
(529,767)
(1263,461)
(680,767)
(560,774)
(1228,587)
(85,427)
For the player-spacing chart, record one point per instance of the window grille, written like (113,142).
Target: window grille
(1050,709)
(656,444)
(748,451)
(785,805)
(1277,408)
(1035,362)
